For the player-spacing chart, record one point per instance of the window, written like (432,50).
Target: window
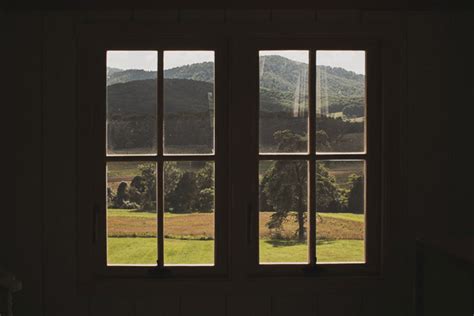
(311,201)
(317,158)
(175,157)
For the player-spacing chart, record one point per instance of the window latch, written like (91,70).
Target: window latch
(95,217)
(249,224)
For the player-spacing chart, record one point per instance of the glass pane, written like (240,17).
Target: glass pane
(283,211)
(340,211)
(340,101)
(283,101)
(189,102)
(131,102)
(131,213)
(189,212)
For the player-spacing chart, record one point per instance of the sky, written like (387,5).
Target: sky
(147,60)
(350,60)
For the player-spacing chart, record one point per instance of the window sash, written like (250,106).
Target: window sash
(371,157)
(236,191)
(93,111)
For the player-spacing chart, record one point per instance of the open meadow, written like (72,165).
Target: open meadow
(189,238)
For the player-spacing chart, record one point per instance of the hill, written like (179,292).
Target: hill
(279,79)
(181,95)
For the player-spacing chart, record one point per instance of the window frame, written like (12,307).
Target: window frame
(237,204)
(93,156)
(372,158)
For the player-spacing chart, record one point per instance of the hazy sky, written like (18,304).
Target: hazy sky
(147,60)
(350,60)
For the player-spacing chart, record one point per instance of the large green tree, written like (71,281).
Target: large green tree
(284,187)
(328,196)
(285,184)
(355,199)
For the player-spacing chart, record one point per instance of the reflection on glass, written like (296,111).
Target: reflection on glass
(189,188)
(131,213)
(340,101)
(131,102)
(283,195)
(189,102)
(340,211)
(283,101)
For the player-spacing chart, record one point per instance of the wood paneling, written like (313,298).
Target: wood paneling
(339,304)
(42,68)
(200,305)
(24,69)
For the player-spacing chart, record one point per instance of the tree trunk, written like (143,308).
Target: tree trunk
(300,210)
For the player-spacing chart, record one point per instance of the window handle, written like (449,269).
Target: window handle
(249,224)
(95,217)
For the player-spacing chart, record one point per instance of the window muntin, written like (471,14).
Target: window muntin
(337,138)
(151,224)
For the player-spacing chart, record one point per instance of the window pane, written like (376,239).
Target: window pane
(189,102)
(131,102)
(131,213)
(340,211)
(189,212)
(340,101)
(283,101)
(283,196)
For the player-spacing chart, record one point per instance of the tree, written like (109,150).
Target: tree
(356,194)
(181,199)
(204,201)
(147,185)
(353,110)
(110,196)
(189,190)
(322,141)
(328,197)
(122,195)
(285,185)
(137,189)
(172,176)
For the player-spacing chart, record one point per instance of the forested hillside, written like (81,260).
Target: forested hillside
(339,86)
(188,104)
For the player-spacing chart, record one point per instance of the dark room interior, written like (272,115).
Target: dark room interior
(277,158)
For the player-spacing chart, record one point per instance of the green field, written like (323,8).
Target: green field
(143,251)
(189,238)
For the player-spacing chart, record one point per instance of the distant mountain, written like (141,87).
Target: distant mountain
(181,95)
(278,81)
(189,93)
(115,75)
(198,72)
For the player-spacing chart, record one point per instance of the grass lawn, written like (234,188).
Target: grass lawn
(132,238)
(143,251)
(347,216)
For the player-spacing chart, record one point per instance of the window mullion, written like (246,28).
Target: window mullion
(160,182)
(312,151)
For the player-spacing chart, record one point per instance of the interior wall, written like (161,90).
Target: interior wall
(40,235)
